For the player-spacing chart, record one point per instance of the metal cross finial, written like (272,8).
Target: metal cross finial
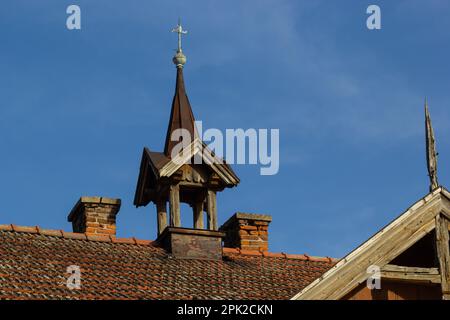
(179,29)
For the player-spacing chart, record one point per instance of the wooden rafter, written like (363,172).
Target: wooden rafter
(410,274)
(379,250)
(216,164)
(443,254)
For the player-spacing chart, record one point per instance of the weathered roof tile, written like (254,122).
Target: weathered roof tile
(34,261)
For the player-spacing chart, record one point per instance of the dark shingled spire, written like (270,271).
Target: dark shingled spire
(181,116)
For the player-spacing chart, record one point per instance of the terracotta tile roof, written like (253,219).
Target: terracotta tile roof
(34,261)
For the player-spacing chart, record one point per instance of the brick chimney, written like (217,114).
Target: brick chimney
(247,231)
(95,216)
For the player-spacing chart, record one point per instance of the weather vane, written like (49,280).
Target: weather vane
(179,59)
(179,29)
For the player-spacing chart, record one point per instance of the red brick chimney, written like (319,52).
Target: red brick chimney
(95,216)
(247,231)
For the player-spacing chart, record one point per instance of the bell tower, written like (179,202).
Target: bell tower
(185,172)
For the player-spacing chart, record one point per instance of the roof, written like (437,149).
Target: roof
(199,148)
(387,244)
(181,115)
(34,261)
(151,163)
(157,159)
(156,165)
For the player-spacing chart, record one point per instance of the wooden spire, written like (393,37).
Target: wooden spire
(181,115)
(431,150)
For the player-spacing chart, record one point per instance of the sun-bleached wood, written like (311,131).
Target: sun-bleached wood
(430,150)
(174,203)
(410,274)
(161,209)
(198,147)
(198,215)
(443,254)
(379,250)
(212,210)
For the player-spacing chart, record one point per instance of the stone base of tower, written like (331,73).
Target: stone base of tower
(192,243)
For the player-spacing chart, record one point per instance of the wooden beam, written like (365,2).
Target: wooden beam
(191,184)
(162,215)
(410,274)
(198,215)
(212,210)
(445,210)
(174,203)
(397,242)
(446,215)
(379,250)
(443,254)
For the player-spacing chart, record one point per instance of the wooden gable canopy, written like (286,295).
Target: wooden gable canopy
(428,217)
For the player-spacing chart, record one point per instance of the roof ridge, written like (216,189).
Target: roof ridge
(133,240)
(73,235)
(303,257)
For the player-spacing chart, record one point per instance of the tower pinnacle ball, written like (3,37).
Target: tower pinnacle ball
(179,59)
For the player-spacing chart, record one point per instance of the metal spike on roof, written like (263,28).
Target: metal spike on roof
(181,116)
(430,150)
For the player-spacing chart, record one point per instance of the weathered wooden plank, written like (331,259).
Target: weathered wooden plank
(399,235)
(380,257)
(394,242)
(212,210)
(198,215)
(395,268)
(410,277)
(196,148)
(445,203)
(443,254)
(174,203)
(410,274)
(446,214)
(191,184)
(162,215)
(431,150)
(180,159)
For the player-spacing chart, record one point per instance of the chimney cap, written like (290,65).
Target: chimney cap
(91,200)
(247,231)
(247,216)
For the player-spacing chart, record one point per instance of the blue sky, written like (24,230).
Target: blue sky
(77,107)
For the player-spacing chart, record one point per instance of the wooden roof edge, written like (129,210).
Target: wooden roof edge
(309,290)
(224,171)
(221,168)
(222,164)
(139,184)
(146,161)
